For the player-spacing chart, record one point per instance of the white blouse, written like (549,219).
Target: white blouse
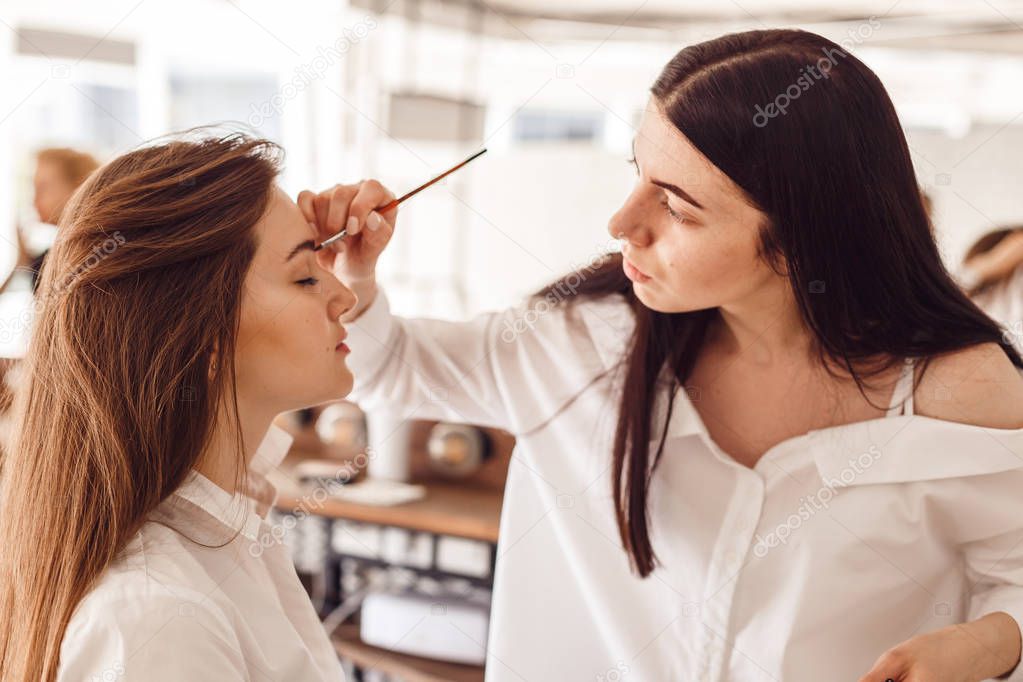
(170,609)
(839,543)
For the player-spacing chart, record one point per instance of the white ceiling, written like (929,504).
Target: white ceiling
(649,12)
(985,25)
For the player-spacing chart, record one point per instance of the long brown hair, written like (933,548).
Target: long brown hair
(834,177)
(117,402)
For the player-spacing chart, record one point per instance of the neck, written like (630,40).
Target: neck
(764,328)
(220,460)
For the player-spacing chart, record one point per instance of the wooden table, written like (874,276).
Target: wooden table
(447,509)
(408,668)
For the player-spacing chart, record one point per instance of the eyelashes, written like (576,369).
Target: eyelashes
(308,282)
(677,217)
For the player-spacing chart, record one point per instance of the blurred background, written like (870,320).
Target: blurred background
(399,90)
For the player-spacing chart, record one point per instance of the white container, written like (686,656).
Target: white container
(436,627)
(388,450)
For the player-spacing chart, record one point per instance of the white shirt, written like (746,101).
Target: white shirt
(169,609)
(804,568)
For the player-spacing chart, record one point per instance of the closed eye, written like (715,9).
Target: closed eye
(675,215)
(308,282)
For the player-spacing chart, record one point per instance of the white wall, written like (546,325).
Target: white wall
(975,182)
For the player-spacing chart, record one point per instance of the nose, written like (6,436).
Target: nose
(340,300)
(628,222)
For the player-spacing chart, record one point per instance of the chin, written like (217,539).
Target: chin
(323,393)
(650,299)
(345,384)
(664,303)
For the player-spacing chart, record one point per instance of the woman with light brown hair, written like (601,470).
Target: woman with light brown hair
(183,309)
(59,172)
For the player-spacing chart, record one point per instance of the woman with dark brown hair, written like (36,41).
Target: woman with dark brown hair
(183,308)
(770,440)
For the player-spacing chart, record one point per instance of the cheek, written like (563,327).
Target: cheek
(705,258)
(273,338)
(260,344)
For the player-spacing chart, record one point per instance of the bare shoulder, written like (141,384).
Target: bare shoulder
(976,385)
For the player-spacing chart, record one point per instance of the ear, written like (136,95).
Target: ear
(214,365)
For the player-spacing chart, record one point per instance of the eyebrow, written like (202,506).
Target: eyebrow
(308,244)
(679,192)
(674,189)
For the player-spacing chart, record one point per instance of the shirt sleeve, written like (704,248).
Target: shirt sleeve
(511,369)
(153,638)
(993,550)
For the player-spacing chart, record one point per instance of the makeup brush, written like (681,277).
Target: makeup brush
(391,204)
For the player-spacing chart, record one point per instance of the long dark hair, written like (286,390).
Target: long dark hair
(834,177)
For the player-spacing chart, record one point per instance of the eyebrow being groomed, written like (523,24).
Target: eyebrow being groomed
(308,244)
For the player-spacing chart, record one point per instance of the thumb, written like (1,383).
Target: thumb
(888,668)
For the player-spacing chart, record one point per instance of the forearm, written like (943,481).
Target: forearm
(994,640)
(366,291)
(990,266)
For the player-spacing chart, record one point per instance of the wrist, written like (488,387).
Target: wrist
(365,290)
(1007,655)
(995,644)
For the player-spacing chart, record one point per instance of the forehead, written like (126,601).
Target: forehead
(665,154)
(282,227)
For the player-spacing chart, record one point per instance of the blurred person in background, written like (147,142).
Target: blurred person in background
(59,172)
(992,275)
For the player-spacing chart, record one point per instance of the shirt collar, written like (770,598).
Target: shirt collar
(237,511)
(887,449)
(271,451)
(904,448)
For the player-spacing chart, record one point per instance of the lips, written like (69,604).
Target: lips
(634,273)
(342,346)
